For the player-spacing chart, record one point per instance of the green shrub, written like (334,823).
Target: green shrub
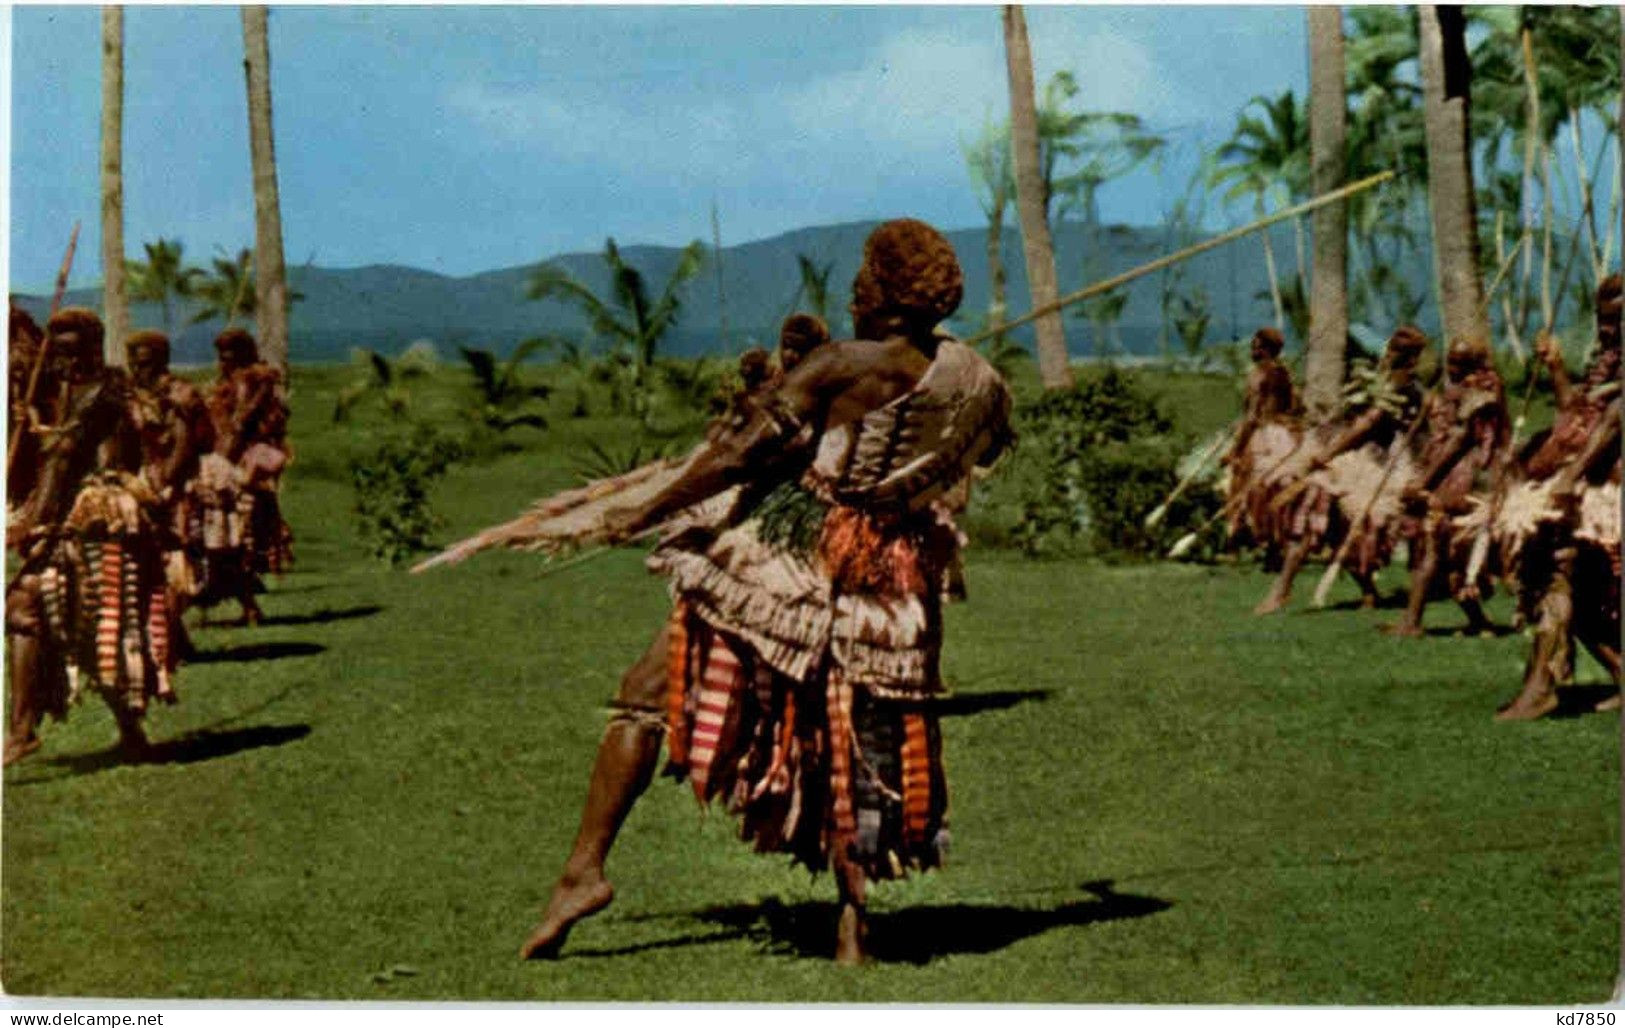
(392,484)
(1095,460)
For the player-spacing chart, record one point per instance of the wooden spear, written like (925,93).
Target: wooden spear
(1106,285)
(1324,588)
(44,352)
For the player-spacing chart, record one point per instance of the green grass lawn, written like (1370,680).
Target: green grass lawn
(1156,799)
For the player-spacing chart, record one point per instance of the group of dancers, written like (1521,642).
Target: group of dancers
(132,495)
(1443,470)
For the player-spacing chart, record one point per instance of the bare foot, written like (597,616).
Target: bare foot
(573,900)
(17,749)
(1611,703)
(1402,631)
(849,937)
(1534,709)
(1270,604)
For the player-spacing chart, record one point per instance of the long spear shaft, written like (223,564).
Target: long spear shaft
(1106,285)
(44,352)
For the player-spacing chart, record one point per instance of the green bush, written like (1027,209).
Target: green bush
(1095,460)
(392,484)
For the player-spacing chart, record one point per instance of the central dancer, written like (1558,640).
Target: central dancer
(794,679)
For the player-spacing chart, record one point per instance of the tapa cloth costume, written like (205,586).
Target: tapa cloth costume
(94,593)
(237,510)
(807,632)
(808,621)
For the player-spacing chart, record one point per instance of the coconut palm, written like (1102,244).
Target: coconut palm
(163,277)
(1328,323)
(1446,74)
(633,324)
(227,293)
(813,286)
(270,271)
(114,306)
(1268,159)
(1053,366)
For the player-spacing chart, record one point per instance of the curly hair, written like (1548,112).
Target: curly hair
(237,340)
(150,338)
(80,321)
(1270,339)
(909,274)
(802,333)
(1406,344)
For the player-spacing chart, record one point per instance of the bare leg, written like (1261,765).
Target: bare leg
(132,738)
(24,624)
(1281,591)
(1551,657)
(852,930)
(1423,571)
(22,722)
(624,767)
(1368,589)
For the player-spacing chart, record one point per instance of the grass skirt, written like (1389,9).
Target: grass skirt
(811,767)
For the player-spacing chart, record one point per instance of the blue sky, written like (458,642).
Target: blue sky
(464,139)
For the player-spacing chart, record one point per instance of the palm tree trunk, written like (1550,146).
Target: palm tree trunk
(1328,129)
(115,309)
(1446,74)
(270,273)
(1053,366)
(1531,148)
(1269,268)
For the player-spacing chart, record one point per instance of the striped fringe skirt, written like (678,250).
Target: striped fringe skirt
(812,768)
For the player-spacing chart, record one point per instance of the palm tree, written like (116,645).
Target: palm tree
(114,307)
(270,271)
(228,292)
(1328,303)
(1267,157)
(632,323)
(162,277)
(813,285)
(989,161)
(1446,75)
(1053,366)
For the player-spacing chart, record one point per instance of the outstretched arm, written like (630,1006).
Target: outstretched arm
(1354,435)
(773,440)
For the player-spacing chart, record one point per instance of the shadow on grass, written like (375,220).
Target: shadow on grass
(257,651)
(1580,700)
(322,617)
(961,704)
(1460,632)
(913,935)
(1394,600)
(190,748)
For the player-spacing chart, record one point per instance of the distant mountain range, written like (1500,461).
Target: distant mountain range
(387,307)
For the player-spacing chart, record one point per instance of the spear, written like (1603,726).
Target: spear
(1106,285)
(44,351)
(1327,580)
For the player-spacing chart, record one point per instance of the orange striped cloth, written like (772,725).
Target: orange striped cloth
(677,686)
(720,678)
(916,778)
(107,623)
(840,757)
